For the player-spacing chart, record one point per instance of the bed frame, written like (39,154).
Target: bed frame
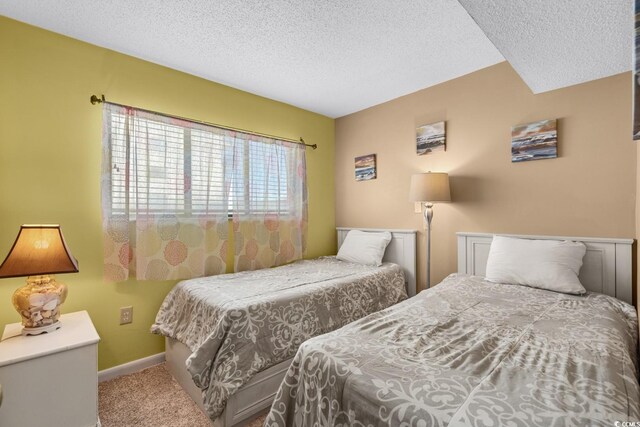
(606,267)
(257,395)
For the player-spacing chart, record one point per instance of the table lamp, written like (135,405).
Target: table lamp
(39,252)
(428,188)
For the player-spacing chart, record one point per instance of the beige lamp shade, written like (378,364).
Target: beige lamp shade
(430,187)
(38,250)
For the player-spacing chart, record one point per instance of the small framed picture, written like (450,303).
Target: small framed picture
(366,167)
(430,138)
(534,141)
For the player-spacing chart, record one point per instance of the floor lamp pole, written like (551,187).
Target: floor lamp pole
(428,216)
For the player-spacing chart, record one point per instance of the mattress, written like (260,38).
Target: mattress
(470,352)
(238,325)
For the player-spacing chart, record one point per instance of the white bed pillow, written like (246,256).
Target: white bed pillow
(364,247)
(544,264)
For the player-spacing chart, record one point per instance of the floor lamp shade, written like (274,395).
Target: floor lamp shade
(38,252)
(428,188)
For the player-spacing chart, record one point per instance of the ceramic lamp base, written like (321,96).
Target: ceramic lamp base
(41,329)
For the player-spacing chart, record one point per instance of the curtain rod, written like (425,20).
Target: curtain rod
(95,100)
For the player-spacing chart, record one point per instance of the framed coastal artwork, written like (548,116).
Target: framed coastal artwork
(430,138)
(366,167)
(534,141)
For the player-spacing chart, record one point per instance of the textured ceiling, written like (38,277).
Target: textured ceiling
(330,56)
(335,57)
(558,43)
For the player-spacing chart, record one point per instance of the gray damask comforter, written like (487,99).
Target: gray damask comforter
(470,353)
(240,324)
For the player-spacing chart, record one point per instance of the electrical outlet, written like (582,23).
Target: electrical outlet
(417,207)
(126,315)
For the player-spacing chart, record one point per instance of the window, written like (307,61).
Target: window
(183,168)
(169,186)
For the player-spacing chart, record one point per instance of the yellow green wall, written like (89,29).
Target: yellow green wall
(50,154)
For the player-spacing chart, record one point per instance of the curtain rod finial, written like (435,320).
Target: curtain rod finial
(314,146)
(95,100)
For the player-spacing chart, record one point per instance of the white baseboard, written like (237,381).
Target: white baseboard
(130,367)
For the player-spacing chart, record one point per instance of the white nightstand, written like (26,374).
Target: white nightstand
(51,379)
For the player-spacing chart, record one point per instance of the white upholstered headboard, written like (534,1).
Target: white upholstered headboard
(606,267)
(401,251)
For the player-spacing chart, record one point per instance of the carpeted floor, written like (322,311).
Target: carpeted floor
(150,398)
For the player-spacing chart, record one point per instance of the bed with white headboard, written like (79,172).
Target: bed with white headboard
(401,251)
(259,392)
(535,353)
(606,267)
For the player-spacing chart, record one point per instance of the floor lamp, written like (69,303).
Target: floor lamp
(428,188)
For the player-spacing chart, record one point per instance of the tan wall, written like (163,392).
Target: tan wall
(589,190)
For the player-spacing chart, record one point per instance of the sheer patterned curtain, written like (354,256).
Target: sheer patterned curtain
(269,202)
(164,202)
(170,185)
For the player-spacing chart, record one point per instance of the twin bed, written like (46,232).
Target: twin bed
(230,339)
(467,352)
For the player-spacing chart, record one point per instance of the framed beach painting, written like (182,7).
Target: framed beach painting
(534,141)
(366,167)
(430,138)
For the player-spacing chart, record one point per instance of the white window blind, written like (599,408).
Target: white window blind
(207,172)
(165,166)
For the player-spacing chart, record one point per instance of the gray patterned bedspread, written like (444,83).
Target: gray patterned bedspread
(470,353)
(239,324)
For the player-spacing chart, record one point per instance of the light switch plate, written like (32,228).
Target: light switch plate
(417,207)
